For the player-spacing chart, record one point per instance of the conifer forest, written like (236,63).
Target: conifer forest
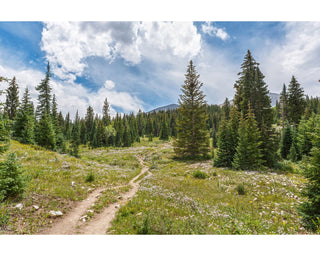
(242,167)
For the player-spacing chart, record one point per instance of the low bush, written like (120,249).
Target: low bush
(199,175)
(240,189)
(90,177)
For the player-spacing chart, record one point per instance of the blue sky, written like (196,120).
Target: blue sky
(141,65)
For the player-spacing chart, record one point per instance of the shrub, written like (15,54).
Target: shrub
(144,228)
(11,181)
(90,177)
(285,166)
(240,189)
(199,175)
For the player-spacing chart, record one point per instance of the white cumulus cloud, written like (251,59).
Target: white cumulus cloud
(297,55)
(109,84)
(210,29)
(68,44)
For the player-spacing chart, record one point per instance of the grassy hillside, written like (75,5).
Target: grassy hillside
(179,198)
(49,178)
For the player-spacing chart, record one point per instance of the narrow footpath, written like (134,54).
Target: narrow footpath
(100,223)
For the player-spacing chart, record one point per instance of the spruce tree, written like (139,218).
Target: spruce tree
(4,134)
(23,128)
(224,156)
(12,183)
(83,132)
(164,133)
(45,136)
(12,99)
(67,127)
(245,84)
(284,105)
(252,90)
(101,134)
(60,142)
(286,141)
(127,139)
(304,134)
(89,123)
(105,113)
(75,137)
(296,102)
(193,136)
(310,209)
(226,108)
(44,96)
(294,152)
(54,113)
(248,153)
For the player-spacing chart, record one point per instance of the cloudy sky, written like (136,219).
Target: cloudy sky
(141,65)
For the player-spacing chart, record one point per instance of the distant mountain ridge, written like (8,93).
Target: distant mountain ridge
(273,96)
(165,108)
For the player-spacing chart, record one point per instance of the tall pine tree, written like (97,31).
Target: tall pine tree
(296,101)
(23,128)
(284,105)
(12,99)
(193,136)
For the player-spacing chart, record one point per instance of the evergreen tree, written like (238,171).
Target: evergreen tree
(60,142)
(193,137)
(284,105)
(140,123)
(310,209)
(75,137)
(105,113)
(4,134)
(252,90)
(286,141)
(45,133)
(23,128)
(164,133)
(12,99)
(248,154)
(54,113)
(44,96)
(304,135)
(296,102)
(233,128)
(226,108)
(83,132)
(67,127)
(127,139)
(224,156)
(101,134)
(118,125)
(245,84)
(93,142)
(294,152)
(12,184)
(89,123)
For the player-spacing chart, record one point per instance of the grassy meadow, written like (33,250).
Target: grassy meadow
(181,197)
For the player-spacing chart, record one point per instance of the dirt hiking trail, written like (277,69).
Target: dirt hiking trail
(71,224)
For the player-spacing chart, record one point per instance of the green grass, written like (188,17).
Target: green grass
(49,176)
(173,201)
